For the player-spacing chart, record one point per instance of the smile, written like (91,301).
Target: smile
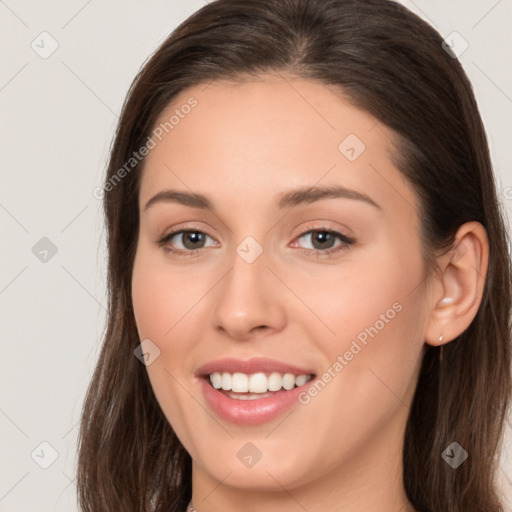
(251,392)
(257,385)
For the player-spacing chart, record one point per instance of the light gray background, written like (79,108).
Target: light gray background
(58,117)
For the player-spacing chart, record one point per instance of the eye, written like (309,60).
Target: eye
(184,240)
(188,242)
(323,240)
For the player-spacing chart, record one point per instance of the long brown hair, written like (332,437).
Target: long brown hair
(391,64)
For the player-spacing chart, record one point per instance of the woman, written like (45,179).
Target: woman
(308,273)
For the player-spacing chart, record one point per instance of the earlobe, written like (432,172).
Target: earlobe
(461,284)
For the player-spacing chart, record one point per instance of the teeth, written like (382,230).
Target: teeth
(216,380)
(240,383)
(275,382)
(226,381)
(288,381)
(256,382)
(301,379)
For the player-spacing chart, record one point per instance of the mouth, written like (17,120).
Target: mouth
(255,386)
(255,391)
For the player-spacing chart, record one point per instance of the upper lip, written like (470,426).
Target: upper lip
(249,366)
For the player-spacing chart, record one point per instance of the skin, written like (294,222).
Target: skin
(242,146)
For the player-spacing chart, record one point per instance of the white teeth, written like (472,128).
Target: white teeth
(216,380)
(275,381)
(288,381)
(240,383)
(258,383)
(226,381)
(301,380)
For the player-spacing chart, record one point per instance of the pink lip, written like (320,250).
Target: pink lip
(255,365)
(250,412)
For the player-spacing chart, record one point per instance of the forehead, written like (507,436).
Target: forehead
(270,133)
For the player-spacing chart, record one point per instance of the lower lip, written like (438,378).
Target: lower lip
(250,412)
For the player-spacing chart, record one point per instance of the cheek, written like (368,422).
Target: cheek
(377,315)
(161,294)
(161,299)
(375,312)
(372,290)
(152,297)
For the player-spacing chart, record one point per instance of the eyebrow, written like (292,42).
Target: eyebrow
(288,199)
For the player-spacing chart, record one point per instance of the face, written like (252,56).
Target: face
(268,287)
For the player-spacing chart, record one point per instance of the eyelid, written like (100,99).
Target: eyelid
(180,229)
(322,225)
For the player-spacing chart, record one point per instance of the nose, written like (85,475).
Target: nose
(249,300)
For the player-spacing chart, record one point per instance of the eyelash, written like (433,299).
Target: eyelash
(345,241)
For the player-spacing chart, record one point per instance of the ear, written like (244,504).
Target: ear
(459,285)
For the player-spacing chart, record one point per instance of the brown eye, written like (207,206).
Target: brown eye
(191,239)
(184,241)
(324,241)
